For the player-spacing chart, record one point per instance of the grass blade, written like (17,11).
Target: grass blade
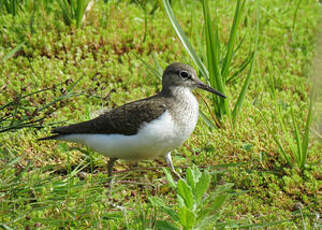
(252,55)
(285,132)
(66,12)
(285,155)
(295,14)
(157,64)
(243,91)
(298,154)
(233,33)
(13,51)
(241,68)
(213,54)
(184,39)
(80,10)
(207,121)
(280,147)
(305,142)
(213,116)
(154,70)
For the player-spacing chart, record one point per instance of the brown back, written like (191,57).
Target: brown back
(125,119)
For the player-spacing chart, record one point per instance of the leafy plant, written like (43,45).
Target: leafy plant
(73,10)
(11,6)
(195,208)
(19,7)
(298,144)
(219,62)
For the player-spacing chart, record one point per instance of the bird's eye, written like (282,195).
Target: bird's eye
(185,75)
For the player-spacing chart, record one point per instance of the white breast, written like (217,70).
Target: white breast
(154,139)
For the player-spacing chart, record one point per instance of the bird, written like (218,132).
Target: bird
(144,129)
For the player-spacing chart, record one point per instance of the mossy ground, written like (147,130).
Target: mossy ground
(51,185)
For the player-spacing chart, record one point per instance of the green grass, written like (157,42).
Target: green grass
(53,185)
(219,56)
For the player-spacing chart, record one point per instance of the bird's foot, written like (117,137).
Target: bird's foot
(170,164)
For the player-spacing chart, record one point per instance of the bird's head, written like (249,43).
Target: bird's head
(182,75)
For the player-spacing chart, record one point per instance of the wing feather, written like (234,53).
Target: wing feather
(125,119)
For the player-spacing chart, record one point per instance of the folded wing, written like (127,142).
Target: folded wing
(125,119)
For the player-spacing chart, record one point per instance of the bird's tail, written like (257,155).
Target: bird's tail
(53,137)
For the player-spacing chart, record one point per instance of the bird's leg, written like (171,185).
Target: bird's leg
(110,169)
(170,164)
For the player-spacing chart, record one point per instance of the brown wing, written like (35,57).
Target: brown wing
(125,119)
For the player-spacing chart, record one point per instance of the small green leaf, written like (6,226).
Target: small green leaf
(190,179)
(186,218)
(181,202)
(202,185)
(169,177)
(185,191)
(196,172)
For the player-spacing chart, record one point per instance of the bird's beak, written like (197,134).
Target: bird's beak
(203,86)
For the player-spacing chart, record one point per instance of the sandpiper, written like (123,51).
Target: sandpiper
(147,128)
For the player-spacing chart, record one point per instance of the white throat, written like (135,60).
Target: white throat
(184,110)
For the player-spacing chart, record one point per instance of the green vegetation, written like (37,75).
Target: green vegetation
(252,161)
(73,10)
(219,64)
(194,209)
(298,148)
